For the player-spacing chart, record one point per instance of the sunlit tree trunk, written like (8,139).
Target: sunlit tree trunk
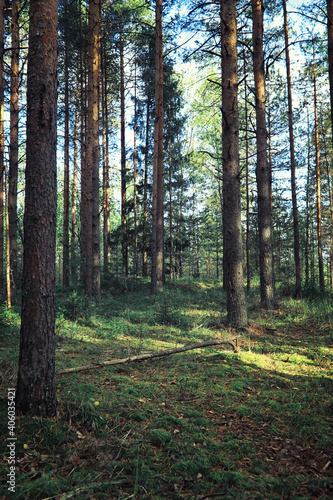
(157,242)
(297,259)
(318,182)
(8,270)
(36,376)
(2,141)
(91,167)
(13,150)
(267,282)
(233,253)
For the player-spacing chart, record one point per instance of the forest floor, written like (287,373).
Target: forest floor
(207,423)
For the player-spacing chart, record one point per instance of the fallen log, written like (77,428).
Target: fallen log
(151,355)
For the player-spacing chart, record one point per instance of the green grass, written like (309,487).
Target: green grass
(250,425)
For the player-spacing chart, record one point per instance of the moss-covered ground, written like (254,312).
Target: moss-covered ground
(207,423)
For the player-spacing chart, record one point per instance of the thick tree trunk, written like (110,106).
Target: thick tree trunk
(297,259)
(36,385)
(91,167)
(13,150)
(267,282)
(157,242)
(233,252)
(170,211)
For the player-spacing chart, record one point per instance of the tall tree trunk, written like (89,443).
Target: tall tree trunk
(74,274)
(297,259)
(318,182)
(135,181)
(330,198)
(233,252)
(90,181)
(157,242)
(170,211)
(267,282)
(330,52)
(84,179)
(93,126)
(106,172)
(65,241)
(8,270)
(2,144)
(36,376)
(145,197)
(247,187)
(13,150)
(124,241)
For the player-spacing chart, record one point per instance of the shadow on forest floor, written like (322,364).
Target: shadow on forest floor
(209,423)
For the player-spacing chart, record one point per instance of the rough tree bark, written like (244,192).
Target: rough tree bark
(124,239)
(157,241)
(233,252)
(90,180)
(36,385)
(267,281)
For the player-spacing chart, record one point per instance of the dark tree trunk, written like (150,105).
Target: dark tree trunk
(124,242)
(157,242)
(233,253)
(267,281)
(65,242)
(13,150)
(145,198)
(106,172)
(36,385)
(2,140)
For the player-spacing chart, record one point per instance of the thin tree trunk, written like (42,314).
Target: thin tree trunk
(106,173)
(267,282)
(8,270)
(145,197)
(135,182)
(233,252)
(297,259)
(65,241)
(74,274)
(2,143)
(124,241)
(13,150)
(36,392)
(318,183)
(170,211)
(85,215)
(248,263)
(330,197)
(157,242)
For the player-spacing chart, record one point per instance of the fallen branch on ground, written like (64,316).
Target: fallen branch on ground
(151,355)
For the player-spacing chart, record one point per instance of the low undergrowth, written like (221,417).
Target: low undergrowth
(210,423)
